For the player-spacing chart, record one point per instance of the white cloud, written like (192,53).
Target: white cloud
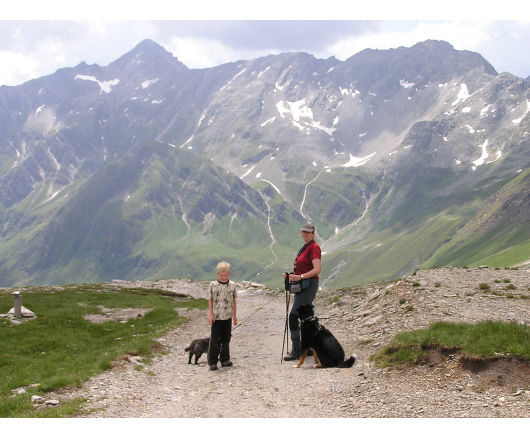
(16,66)
(462,35)
(32,49)
(205,52)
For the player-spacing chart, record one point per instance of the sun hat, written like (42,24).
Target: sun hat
(308,228)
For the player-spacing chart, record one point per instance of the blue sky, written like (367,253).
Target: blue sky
(210,33)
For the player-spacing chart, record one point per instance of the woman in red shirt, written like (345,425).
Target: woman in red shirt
(306,266)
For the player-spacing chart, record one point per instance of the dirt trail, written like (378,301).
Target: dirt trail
(259,385)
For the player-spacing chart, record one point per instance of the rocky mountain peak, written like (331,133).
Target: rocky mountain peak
(151,55)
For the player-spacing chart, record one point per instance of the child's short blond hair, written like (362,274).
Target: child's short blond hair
(223,267)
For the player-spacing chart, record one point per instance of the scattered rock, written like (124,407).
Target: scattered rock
(121,315)
(373,320)
(135,360)
(52,402)
(36,399)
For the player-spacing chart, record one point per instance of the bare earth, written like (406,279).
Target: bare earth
(363,319)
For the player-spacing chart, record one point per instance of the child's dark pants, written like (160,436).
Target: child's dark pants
(220,341)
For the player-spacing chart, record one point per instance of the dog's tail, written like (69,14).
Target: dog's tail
(348,362)
(187,349)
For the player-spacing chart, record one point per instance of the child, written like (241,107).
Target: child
(222,307)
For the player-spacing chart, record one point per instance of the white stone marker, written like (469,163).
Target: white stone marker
(18,304)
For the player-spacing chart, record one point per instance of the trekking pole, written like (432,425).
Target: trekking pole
(286,328)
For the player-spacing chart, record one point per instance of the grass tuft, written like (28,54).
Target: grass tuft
(482,340)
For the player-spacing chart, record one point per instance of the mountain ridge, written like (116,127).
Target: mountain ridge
(405,137)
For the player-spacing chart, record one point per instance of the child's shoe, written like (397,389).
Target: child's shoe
(226,364)
(213,367)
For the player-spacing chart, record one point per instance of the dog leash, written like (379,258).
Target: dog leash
(253,313)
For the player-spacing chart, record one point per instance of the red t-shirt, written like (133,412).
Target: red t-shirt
(304,262)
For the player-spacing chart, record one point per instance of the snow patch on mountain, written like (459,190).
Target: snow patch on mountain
(231,80)
(480,161)
(186,142)
(203,115)
(105,86)
(297,109)
(520,119)
(348,92)
(462,95)
(263,71)
(149,82)
(406,84)
(248,172)
(358,161)
(328,131)
(266,122)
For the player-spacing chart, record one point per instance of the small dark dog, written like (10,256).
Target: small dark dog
(198,347)
(325,346)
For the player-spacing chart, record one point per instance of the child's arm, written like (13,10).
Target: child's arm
(235,312)
(211,318)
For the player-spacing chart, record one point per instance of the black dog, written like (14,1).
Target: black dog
(325,346)
(198,347)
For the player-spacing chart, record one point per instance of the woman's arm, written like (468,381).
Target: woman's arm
(312,273)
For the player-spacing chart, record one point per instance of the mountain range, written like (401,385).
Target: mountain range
(146,169)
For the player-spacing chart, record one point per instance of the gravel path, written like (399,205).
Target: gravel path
(363,319)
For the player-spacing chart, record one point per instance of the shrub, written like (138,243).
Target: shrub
(484,286)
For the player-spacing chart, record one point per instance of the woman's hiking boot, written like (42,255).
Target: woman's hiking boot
(294,354)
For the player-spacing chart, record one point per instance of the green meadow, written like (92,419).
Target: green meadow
(60,348)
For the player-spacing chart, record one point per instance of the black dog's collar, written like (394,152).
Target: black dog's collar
(310,318)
